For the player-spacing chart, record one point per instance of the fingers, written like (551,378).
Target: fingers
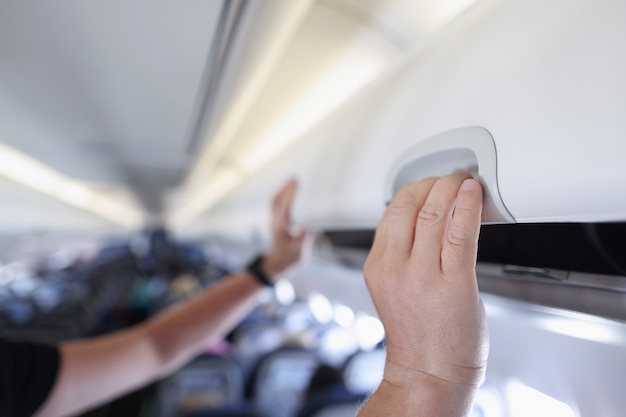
(396,230)
(301,238)
(432,222)
(284,196)
(288,244)
(281,206)
(461,243)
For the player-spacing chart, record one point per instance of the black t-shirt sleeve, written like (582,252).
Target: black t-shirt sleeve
(27,373)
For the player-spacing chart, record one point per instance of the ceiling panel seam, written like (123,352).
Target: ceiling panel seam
(221,48)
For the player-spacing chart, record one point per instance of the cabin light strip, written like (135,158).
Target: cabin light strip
(37,176)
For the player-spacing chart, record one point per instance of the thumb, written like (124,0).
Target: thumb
(301,237)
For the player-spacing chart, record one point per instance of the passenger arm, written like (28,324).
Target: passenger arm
(421,275)
(94,371)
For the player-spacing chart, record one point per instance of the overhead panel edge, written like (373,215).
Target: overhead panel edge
(469,149)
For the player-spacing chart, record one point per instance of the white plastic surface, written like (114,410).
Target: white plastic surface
(469,149)
(553,98)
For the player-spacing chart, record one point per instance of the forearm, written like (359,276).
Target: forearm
(183,331)
(96,370)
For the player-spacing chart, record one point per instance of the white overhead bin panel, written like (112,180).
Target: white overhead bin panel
(544,78)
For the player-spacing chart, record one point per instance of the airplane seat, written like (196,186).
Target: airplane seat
(53,330)
(364,371)
(17,312)
(253,341)
(328,395)
(46,311)
(242,410)
(208,383)
(280,380)
(347,409)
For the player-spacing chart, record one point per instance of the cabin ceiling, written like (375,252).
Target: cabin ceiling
(144,103)
(104,91)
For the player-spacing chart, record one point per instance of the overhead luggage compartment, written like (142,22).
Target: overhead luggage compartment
(545,79)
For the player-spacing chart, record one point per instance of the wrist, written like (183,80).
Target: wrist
(416,392)
(271,266)
(258,271)
(405,367)
(424,396)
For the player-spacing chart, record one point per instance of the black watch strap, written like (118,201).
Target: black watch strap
(254,268)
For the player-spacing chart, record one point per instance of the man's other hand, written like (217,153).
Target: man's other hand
(287,246)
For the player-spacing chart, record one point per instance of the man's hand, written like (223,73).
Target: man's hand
(287,247)
(421,275)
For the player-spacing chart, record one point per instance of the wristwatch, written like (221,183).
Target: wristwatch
(254,268)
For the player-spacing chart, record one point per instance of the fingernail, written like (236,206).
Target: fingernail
(469,185)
